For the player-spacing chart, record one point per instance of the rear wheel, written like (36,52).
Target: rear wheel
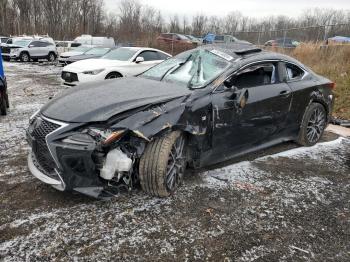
(113,75)
(51,57)
(24,57)
(313,125)
(162,166)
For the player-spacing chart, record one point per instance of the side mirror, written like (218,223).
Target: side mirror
(139,59)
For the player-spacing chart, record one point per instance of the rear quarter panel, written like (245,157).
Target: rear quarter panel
(312,88)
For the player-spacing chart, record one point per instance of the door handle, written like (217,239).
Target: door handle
(285,93)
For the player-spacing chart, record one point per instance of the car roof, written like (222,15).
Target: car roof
(248,52)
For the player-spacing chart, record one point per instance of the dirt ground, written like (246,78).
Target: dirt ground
(286,203)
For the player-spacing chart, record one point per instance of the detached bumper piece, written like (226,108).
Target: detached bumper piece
(54,180)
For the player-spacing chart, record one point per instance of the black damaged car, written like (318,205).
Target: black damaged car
(201,107)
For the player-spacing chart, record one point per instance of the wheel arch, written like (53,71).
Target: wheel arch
(114,72)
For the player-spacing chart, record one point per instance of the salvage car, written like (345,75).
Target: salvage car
(201,107)
(120,62)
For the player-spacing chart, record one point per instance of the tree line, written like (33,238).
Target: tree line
(66,19)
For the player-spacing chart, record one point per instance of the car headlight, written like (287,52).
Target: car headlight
(14,50)
(93,72)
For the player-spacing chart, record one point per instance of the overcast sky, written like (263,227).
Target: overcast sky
(254,8)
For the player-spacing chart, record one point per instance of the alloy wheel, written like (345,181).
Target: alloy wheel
(316,125)
(25,58)
(52,57)
(176,165)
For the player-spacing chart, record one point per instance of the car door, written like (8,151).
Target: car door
(34,49)
(44,48)
(151,58)
(264,114)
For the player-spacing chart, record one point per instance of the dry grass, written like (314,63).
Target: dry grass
(332,62)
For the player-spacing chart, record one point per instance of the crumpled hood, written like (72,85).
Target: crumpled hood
(99,101)
(92,64)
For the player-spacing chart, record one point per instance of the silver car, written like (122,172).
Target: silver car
(27,50)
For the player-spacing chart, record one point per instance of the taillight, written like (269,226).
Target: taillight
(332,85)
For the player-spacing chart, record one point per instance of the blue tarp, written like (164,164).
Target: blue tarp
(340,39)
(2,74)
(209,38)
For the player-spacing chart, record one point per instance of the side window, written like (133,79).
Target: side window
(44,44)
(294,72)
(256,75)
(9,42)
(149,55)
(162,56)
(35,44)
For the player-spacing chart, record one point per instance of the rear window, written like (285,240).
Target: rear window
(294,72)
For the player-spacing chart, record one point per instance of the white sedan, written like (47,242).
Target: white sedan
(120,62)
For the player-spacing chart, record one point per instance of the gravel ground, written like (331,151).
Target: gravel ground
(286,203)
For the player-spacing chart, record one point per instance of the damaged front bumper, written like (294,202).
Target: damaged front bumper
(75,162)
(57,183)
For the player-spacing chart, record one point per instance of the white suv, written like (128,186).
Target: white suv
(26,50)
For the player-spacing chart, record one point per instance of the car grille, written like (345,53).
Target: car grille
(44,160)
(69,77)
(5,50)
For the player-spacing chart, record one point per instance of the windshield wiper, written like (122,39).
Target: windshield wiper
(189,85)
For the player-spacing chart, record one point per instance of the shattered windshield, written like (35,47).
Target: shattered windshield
(194,68)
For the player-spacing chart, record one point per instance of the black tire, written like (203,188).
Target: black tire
(24,57)
(113,75)
(159,174)
(3,105)
(51,57)
(313,125)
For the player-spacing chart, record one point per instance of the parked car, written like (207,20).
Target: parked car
(4,100)
(283,42)
(201,107)
(63,58)
(95,52)
(228,39)
(168,38)
(123,61)
(100,41)
(194,39)
(3,40)
(26,50)
(63,46)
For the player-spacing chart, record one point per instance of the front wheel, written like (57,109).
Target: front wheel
(3,104)
(113,75)
(51,57)
(162,165)
(313,125)
(24,57)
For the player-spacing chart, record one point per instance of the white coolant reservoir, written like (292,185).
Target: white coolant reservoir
(116,161)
